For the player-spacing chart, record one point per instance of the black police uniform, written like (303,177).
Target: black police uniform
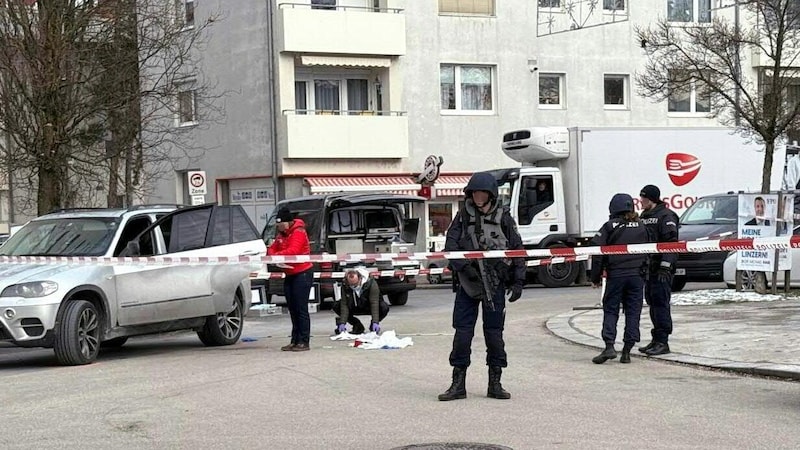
(663,224)
(624,276)
(493,230)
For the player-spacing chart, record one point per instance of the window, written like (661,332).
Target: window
(478,7)
(466,88)
(440,215)
(690,97)
(186,230)
(689,11)
(187,105)
(184,12)
(300,97)
(536,195)
(551,90)
(615,91)
(323,4)
(330,94)
(549,3)
(613,5)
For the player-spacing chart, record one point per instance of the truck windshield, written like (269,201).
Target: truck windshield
(712,211)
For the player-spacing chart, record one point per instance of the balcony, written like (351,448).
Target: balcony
(346,134)
(303,28)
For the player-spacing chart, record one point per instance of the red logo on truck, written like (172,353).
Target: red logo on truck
(682,168)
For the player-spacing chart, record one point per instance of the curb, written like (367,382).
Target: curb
(561,326)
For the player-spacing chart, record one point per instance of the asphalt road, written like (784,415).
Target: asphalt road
(171,392)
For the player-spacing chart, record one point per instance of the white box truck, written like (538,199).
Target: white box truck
(560,194)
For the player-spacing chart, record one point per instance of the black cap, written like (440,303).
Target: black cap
(652,193)
(284,216)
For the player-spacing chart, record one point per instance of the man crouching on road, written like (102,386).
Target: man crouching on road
(360,295)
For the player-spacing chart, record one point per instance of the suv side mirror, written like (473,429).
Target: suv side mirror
(131,249)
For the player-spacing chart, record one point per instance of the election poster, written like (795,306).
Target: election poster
(758,218)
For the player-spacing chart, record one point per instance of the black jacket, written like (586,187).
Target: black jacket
(663,225)
(458,240)
(616,232)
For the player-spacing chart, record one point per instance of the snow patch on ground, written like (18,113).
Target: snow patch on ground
(717,296)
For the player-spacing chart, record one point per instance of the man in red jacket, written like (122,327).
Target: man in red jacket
(292,239)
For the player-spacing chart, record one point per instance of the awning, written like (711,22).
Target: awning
(446,185)
(349,61)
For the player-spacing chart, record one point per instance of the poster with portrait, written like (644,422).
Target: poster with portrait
(758,218)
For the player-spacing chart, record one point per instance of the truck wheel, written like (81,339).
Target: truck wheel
(559,275)
(77,339)
(398,299)
(434,278)
(678,283)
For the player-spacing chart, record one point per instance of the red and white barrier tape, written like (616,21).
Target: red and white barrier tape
(702,246)
(411,272)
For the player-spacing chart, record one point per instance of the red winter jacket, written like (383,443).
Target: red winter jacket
(294,241)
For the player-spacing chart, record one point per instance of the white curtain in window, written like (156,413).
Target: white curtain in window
(326,94)
(447,80)
(476,88)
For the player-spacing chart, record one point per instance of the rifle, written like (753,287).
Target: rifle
(488,301)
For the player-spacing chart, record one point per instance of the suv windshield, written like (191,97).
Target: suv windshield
(712,211)
(62,237)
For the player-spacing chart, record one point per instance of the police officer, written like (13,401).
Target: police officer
(482,224)
(624,276)
(663,224)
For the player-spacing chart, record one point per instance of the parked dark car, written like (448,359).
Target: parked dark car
(345,223)
(711,217)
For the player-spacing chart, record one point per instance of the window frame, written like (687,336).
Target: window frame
(493,13)
(615,10)
(458,111)
(182,13)
(692,105)
(625,91)
(182,88)
(557,7)
(695,15)
(311,100)
(562,90)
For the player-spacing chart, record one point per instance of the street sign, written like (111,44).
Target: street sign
(197,182)
(431,171)
(198,199)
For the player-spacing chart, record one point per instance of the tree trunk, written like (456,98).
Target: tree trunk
(50,189)
(766,174)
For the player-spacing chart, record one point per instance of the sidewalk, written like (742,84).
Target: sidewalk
(761,338)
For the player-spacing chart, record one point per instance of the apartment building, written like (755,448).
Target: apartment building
(359,92)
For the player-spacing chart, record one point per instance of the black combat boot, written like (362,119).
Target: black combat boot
(495,389)
(625,358)
(608,353)
(647,347)
(458,389)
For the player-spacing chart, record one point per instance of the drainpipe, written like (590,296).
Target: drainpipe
(273,118)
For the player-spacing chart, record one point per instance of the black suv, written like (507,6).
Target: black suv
(345,223)
(711,217)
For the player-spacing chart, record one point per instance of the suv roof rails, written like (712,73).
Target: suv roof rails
(63,210)
(155,205)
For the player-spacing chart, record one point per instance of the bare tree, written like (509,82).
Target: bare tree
(706,58)
(89,94)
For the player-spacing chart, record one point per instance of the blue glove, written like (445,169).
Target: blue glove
(341,328)
(514,293)
(375,326)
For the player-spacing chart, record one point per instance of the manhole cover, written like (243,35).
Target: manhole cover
(453,446)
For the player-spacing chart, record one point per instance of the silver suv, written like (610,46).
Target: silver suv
(77,308)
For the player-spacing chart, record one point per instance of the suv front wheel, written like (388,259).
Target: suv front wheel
(223,328)
(77,340)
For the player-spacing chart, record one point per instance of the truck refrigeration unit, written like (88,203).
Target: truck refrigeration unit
(559,196)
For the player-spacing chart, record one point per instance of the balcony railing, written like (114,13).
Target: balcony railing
(341,8)
(342,112)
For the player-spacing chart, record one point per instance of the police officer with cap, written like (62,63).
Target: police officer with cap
(663,224)
(482,224)
(624,276)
